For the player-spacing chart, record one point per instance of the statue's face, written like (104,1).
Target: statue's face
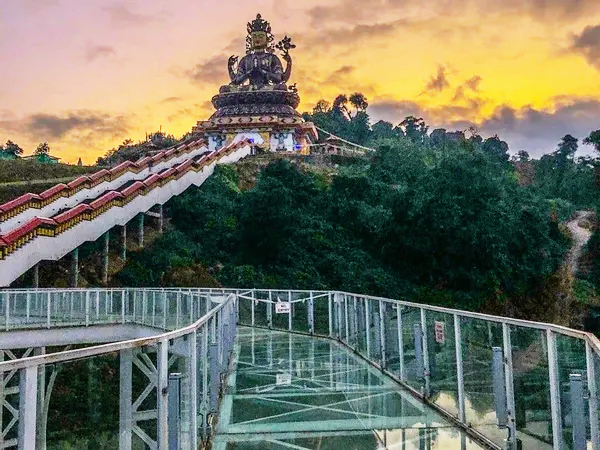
(259,40)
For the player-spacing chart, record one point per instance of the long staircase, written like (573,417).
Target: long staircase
(48,226)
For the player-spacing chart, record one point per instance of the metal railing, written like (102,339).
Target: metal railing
(168,384)
(513,383)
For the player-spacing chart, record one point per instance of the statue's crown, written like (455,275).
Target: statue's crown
(259,24)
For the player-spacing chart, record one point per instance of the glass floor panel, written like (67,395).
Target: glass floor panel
(292,391)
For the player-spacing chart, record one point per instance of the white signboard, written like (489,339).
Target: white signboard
(282,307)
(283,379)
(440,332)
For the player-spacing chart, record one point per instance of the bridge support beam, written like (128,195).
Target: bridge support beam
(36,276)
(105,261)
(124,243)
(125,400)
(28,386)
(75,268)
(141,230)
(162,405)
(160,218)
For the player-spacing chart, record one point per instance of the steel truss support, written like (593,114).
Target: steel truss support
(12,432)
(131,414)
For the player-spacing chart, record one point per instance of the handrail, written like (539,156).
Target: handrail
(35,201)
(82,353)
(559,329)
(348,315)
(590,337)
(40,226)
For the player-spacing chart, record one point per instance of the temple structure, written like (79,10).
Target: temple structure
(258,104)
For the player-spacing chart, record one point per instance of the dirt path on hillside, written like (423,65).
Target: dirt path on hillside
(580,237)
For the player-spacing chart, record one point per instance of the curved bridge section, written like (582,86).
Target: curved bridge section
(307,366)
(52,224)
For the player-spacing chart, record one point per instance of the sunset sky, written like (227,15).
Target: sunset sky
(85,75)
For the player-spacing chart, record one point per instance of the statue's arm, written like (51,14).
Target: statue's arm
(230,66)
(239,76)
(288,68)
(276,74)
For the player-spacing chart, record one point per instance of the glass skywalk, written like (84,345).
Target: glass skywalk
(291,391)
(260,369)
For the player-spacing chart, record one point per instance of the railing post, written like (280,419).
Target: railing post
(510,391)
(153,308)
(28,392)
(214,376)
(7,305)
(144,307)
(178,311)
(48,311)
(252,306)
(593,399)
(330,315)
(87,308)
(123,305)
(459,369)
(382,334)
(353,324)
(368,327)
(427,372)
(290,325)
(164,305)
(132,292)
(347,333)
(311,314)
(270,311)
(554,391)
(400,341)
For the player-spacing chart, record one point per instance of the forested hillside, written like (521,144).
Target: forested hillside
(436,217)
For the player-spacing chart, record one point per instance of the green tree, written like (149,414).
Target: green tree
(565,152)
(322,106)
(383,130)
(359,102)
(414,128)
(496,148)
(438,137)
(42,149)
(13,148)
(593,139)
(340,104)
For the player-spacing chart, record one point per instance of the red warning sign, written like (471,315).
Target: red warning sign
(440,332)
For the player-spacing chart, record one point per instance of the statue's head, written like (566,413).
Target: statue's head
(259,40)
(259,34)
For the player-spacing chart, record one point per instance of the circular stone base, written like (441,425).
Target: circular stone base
(257,102)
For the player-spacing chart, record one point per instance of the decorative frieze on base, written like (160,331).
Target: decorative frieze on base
(267,133)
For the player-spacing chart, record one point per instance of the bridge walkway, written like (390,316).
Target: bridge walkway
(291,391)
